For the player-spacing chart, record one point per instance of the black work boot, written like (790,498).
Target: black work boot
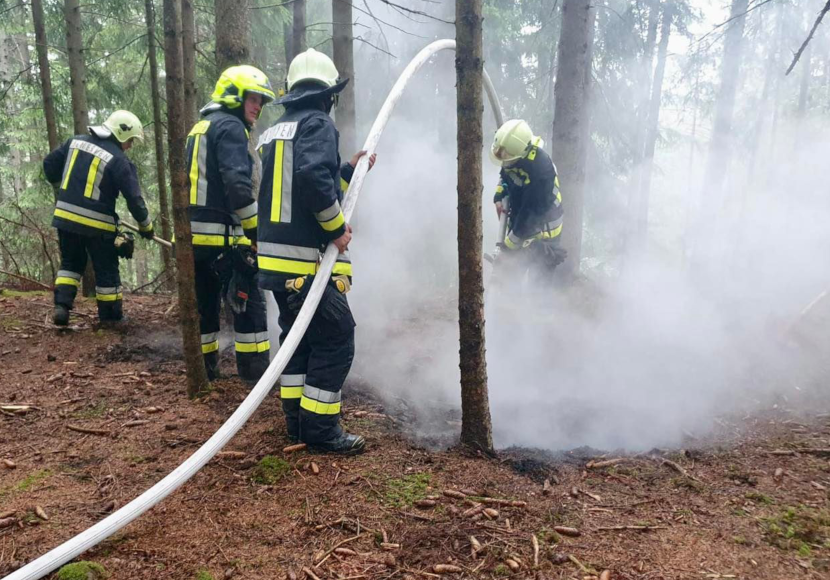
(344,444)
(61,315)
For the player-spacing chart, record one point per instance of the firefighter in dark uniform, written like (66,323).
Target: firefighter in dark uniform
(299,214)
(223,219)
(529,181)
(89,171)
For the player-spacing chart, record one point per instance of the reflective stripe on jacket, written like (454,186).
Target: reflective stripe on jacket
(219,170)
(299,197)
(535,200)
(90,173)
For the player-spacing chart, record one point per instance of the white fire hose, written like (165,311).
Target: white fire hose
(119,519)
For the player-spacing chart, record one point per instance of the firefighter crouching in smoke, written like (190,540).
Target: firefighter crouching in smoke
(88,172)
(299,214)
(223,219)
(529,182)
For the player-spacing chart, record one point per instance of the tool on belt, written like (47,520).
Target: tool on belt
(237,268)
(333,305)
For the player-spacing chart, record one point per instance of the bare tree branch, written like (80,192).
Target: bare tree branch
(416,12)
(809,37)
(117,50)
(725,22)
(364,41)
(376,19)
(14,80)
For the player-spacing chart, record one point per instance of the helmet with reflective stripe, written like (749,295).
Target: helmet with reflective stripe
(123,125)
(236,81)
(512,142)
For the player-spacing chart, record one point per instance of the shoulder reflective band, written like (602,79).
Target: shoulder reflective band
(198,181)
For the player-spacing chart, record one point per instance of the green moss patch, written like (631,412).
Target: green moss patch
(82,571)
(270,470)
(404,491)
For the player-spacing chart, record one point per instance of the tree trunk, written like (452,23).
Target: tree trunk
(77,82)
(298,40)
(804,88)
(233,33)
(344,61)
(158,133)
(185,273)
(288,45)
(653,123)
(570,119)
(476,428)
(717,163)
(77,67)
(42,48)
(191,104)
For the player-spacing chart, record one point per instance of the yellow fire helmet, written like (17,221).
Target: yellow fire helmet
(121,124)
(511,142)
(236,81)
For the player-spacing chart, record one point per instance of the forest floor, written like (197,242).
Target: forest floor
(749,501)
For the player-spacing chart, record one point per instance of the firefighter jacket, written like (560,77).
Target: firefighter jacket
(223,209)
(89,173)
(300,195)
(535,200)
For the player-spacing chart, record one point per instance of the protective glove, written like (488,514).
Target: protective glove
(124,245)
(148,234)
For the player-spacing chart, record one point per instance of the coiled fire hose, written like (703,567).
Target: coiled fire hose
(119,519)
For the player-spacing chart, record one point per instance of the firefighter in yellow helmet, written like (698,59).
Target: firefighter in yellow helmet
(223,219)
(529,182)
(88,172)
(299,214)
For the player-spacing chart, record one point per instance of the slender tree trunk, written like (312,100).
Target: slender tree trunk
(570,119)
(653,124)
(233,33)
(185,272)
(191,105)
(77,83)
(298,39)
(41,46)
(288,45)
(804,88)
(158,133)
(476,428)
(344,61)
(720,146)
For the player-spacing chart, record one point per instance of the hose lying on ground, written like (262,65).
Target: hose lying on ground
(119,519)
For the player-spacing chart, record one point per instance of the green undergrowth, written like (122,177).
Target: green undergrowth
(203,574)
(270,470)
(406,490)
(9,293)
(27,482)
(82,571)
(801,529)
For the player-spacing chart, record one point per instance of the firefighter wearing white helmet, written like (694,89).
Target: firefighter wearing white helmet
(223,220)
(299,214)
(529,179)
(89,172)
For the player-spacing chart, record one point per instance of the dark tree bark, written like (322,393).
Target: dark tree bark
(233,33)
(298,39)
(77,82)
(41,46)
(288,44)
(476,428)
(652,125)
(570,119)
(344,61)
(185,272)
(191,104)
(158,133)
(717,162)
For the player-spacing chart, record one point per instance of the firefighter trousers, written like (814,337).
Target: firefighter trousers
(313,378)
(74,249)
(250,327)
